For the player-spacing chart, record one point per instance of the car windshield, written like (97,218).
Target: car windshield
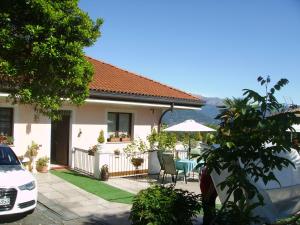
(8,157)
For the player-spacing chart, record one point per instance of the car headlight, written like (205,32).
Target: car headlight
(29,186)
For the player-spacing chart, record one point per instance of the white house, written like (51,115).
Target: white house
(120,102)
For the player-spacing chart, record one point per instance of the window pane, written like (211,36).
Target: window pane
(6,121)
(112,123)
(124,124)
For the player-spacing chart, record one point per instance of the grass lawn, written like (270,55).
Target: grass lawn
(95,187)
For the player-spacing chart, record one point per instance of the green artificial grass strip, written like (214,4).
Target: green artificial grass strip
(95,187)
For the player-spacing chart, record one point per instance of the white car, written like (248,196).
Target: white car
(18,188)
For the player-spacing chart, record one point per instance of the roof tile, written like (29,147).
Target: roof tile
(108,78)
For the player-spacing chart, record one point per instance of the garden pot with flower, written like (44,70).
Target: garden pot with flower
(134,151)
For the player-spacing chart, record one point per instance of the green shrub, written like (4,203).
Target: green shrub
(100,138)
(152,138)
(159,205)
(234,214)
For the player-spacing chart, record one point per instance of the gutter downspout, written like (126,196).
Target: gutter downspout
(163,114)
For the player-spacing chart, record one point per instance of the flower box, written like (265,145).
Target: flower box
(126,139)
(114,139)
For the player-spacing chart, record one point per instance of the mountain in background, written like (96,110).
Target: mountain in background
(206,115)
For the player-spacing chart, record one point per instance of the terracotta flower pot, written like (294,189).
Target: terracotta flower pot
(115,139)
(126,139)
(42,169)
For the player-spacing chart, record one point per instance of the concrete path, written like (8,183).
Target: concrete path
(136,184)
(71,202)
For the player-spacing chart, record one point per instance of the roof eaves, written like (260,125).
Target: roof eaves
(96,94)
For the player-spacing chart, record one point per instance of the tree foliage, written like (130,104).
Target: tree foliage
(41,52)
(252,134)
(166,141)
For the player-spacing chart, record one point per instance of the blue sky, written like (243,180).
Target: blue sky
(212,47)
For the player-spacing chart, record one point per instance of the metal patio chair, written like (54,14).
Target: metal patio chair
(161,163)
(170,168)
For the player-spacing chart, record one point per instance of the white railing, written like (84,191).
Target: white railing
(118,165)
(121,165)
(83,162)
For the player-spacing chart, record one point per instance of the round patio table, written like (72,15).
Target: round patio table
(186,165)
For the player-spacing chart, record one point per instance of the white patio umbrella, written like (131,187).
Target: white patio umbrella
(189,126)
(296,127)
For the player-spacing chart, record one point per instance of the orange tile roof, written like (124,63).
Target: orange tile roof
(108,78)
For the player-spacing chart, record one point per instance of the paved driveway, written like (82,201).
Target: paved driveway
(41,216)
(62,203)
(44,216)
(72,203)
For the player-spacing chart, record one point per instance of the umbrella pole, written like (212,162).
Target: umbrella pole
(189,151)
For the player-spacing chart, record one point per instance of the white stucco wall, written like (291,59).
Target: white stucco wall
(85,124)
(90,119)
(28,128)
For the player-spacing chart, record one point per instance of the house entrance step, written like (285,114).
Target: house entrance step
(57,167)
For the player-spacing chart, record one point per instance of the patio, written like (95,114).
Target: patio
(72,203)
(138,183)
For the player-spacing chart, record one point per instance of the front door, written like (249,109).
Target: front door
(60,135)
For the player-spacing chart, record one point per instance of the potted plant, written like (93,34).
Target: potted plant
(32,152)
(134,150)
(153,139)
(100,140)
(153,162)
(137,161)
(33,149)
(114,138)
(117,152)
(7,140)
(125,138)
(42,164)
(104,173)
(2,139)
(92,150)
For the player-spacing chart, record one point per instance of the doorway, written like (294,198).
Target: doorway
(60,136)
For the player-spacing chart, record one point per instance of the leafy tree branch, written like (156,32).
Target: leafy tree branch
(251,137)
(42,60)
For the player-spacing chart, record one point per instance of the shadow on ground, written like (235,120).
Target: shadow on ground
(155,180)
(120,219)
(12,218)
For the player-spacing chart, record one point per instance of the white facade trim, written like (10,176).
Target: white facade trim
(127,103)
